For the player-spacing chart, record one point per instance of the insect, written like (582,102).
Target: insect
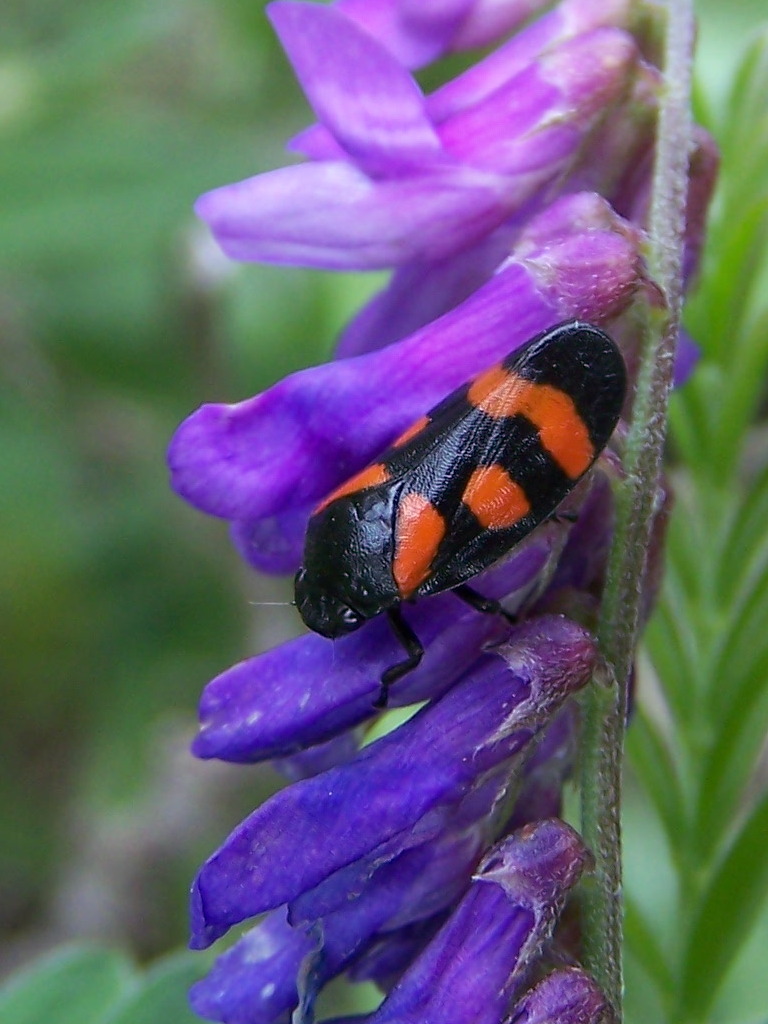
(461,486)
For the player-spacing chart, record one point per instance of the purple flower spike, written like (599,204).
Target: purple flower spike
(477,961)
(294,443)
(567,996)
(511,199)
(323,824)
(310,689)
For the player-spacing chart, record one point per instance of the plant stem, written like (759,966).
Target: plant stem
(635,498)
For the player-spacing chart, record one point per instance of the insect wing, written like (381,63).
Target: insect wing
(497,456)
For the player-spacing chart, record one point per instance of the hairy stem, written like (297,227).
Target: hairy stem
(606,705)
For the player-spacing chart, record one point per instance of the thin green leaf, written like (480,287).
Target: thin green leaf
(743,383)
(729,763)
(743,133)
(670,639)
(162,994)
(718,314)
(745,533)
(656,770)
(72,986)
(726,914)
(642,942)
(742,640)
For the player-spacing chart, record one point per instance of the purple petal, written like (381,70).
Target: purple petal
(420,292)
(333,216)
(273,544)
(536,121)
(568,19)
(316,143)
(322,824)
(567,996)
(687,355)
(366,99)
(490,19)
(546,771)
(582,563)
(421,878)
(519,56)
(255,981)
(319,758)
(388,957)
(309,689)
(293,444)
(415,32)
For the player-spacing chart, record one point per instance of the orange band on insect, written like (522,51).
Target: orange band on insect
(418,531)
(562,431)
(495,499)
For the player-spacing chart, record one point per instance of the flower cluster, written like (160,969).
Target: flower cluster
(514,197)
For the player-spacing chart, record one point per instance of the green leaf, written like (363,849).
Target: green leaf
(725,916)
(656,769)
(162,995)
(742,643)
(728,765)
(643,943)
(743,133)
(672,641)
(742,381)
(74,985)
(746,533)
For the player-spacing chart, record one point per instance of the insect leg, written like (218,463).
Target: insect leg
(412,645)
(481,604)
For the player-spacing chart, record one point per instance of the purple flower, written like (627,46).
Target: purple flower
(513,197)
(394,180)
(476,959)
(360,809)
(568,996)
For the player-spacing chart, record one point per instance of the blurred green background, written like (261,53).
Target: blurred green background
(117,318)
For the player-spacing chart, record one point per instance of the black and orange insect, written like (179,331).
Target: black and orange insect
(461,486)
